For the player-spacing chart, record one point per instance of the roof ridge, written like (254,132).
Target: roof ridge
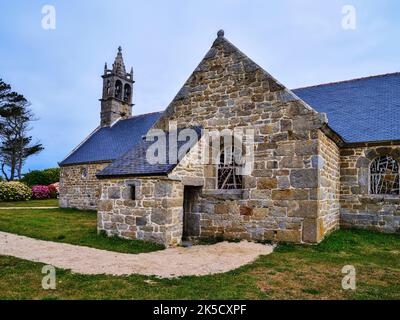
(349,80)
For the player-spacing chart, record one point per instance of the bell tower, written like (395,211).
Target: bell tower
(116,101)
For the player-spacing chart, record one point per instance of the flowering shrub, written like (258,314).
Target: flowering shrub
(41,192)
(14,191)
(54,190)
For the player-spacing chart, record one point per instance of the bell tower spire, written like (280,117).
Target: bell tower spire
(118,65)
(116,101)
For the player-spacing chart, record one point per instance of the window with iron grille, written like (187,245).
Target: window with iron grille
(384,176)
(228,177)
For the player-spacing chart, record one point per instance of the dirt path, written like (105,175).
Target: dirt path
(173,262)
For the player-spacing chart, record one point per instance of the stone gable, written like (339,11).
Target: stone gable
(280,199)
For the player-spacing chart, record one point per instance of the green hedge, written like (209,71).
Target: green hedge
(14,191)
(41,177)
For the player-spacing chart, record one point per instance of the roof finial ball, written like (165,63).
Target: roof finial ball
(221,33)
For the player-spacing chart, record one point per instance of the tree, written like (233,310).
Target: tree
(15,143)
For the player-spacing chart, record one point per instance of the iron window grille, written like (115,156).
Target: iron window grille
(228,168)
(384,176)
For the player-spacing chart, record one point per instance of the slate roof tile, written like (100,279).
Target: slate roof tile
(109,143)
(360,110)
(135,163)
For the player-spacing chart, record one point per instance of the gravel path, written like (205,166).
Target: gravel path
(169,263)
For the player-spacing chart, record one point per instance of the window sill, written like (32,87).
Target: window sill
(385,196)
(225,194)
(381,198)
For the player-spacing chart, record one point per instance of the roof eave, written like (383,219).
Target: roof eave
(333,135)
(133,175)
(342,143)
(371,143)
(62,165)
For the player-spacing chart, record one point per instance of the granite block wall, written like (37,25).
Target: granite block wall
(79,187)
(358,207)
(152,213)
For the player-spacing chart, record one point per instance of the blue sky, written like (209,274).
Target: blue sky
(300,42)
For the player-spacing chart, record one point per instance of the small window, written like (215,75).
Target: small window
(384,176)
(228,177)
(133,192)
(84,173)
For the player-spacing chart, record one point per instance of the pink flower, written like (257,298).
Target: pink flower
(40,192)
(54,190)
(54,187)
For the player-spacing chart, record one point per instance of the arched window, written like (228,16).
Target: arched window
(108,87)
(228,168)
(384,176)
(127,92)
(118,89)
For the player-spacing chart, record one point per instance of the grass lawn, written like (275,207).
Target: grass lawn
(68,226)
(31,203)
(291,272)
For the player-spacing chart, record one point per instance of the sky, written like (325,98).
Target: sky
(300,42)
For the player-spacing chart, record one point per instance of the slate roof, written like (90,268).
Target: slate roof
(360,110)
(134,162)
(109,143)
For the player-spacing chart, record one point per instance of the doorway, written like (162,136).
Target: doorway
(191,213)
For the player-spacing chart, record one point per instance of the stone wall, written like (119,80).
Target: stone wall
(328,163)
(190,170)
(360,209)
(155,214)
(302,205)
(280,197)
(79,187)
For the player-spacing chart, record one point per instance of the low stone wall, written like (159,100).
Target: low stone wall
(79,187)
(155,215)
(359,209)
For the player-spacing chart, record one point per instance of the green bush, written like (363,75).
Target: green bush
(42,177)
(14,191)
